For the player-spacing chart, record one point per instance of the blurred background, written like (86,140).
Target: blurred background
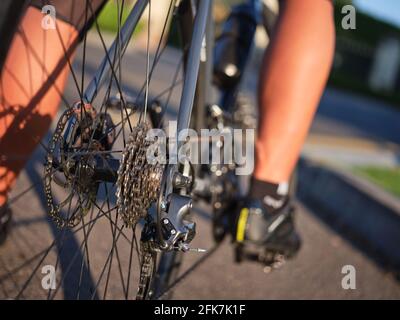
(363,95)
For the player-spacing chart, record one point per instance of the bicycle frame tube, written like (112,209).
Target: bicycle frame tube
(193,63)
(208,63)
(195,82)
(119,45)
(197,55)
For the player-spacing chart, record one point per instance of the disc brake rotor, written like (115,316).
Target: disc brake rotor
(70,162)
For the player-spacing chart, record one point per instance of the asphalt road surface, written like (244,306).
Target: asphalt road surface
(316,273)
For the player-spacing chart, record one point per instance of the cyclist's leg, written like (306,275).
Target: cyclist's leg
(294,73)
(26,111)
(32,82)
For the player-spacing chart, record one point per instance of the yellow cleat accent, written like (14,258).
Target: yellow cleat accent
(241,227)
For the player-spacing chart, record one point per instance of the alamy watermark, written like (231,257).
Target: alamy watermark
(349,280)
(349,20)
(49,278)
(49,20)
(209,146)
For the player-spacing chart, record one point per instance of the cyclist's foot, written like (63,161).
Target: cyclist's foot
(264,228)
(5,222)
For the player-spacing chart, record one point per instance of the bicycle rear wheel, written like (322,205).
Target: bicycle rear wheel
(86,248)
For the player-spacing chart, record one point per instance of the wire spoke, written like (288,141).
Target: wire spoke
(113,74)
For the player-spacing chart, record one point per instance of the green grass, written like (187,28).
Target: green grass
(388,179)
(107,19)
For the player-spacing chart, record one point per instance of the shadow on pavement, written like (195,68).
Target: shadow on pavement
(71,259)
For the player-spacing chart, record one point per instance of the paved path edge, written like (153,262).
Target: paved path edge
(368,216)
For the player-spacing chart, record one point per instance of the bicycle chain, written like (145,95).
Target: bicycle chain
(147,269)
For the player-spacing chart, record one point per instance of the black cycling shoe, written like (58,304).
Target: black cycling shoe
(5,222)
(263,236)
